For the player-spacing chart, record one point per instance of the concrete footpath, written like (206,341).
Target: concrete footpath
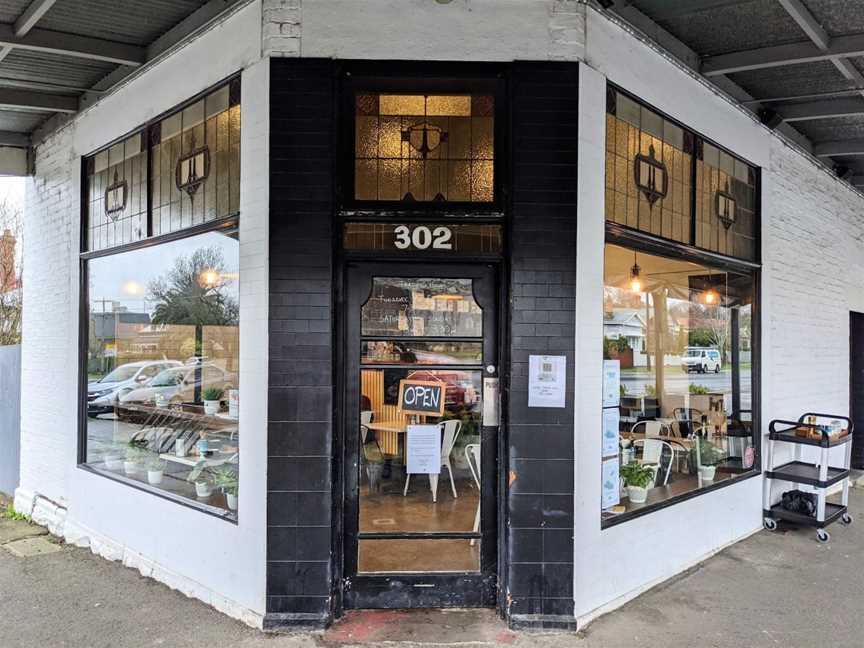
(773,589)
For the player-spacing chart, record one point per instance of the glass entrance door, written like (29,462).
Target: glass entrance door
(421,436)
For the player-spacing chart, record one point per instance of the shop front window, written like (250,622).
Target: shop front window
(163,368)
(678,398)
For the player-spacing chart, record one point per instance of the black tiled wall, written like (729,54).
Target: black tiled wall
(543,287)
(299,500)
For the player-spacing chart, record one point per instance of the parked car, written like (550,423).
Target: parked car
(104,394)
(177,385)
(701,360)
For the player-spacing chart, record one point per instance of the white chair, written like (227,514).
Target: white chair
(652,428)
(365,419)
(652,453)
(451,433)
(472,456)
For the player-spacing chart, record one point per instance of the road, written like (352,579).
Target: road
(678,382)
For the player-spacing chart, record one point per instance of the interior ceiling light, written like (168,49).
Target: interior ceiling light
(635,276)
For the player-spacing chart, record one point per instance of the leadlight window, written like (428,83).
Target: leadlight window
(424,148)
(193,158)
(196,163)
(725,203)
(648,170)
(117,194)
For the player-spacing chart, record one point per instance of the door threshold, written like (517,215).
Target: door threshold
(451,626)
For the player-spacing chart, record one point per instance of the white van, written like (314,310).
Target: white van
(701,360)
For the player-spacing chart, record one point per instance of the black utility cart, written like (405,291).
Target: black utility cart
(819,475)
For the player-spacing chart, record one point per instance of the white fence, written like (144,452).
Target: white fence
(10,418)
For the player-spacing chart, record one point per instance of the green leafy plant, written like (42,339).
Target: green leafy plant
(710,454)
(9,513)
(154,463)
(650,390)
(225,478)
(212,394)
(622,389)
(136,453)
(698,390)
(635,474)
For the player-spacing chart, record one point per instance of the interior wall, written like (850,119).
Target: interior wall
(211,559)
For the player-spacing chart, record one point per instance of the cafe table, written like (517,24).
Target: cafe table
(387,434)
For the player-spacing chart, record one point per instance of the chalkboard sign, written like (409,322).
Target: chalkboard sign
(423,397)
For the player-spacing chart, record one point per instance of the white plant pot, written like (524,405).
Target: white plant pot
(114,463)
(637,494)
(203,489)
(231,500)
(211,408)
(130,467)
(707,472)
(154,477)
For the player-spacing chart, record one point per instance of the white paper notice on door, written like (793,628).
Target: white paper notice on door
(611,488)
(547,381)
(611,423)
(611,383)
(423,449)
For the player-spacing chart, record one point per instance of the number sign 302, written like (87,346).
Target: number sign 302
(422,237)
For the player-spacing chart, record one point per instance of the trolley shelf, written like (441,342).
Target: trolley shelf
(788,436)
(833,512)
(806,473)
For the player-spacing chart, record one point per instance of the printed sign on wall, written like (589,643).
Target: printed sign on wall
(611,488)
(611,383)
(547,381)
(423,449)
(422,397)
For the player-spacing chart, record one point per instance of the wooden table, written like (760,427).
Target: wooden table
(387,434)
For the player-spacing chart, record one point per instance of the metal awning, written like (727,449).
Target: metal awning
(798,64)
(58,56)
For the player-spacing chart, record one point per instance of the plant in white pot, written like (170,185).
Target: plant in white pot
(225,478)
(637,478)
(155,470)
(709,456)
(135,457)
(201,476)
(212,400)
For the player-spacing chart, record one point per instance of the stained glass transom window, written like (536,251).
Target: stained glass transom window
(424,148)
(648,170)
(117,194)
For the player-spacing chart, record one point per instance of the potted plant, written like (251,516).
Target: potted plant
(709,456)
(204,485)
(113,458)
(373,458)
(155,469)
(637,478)
(225,478)
(135,456)
(212,400)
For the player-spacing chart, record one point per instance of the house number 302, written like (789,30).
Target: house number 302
(423,237)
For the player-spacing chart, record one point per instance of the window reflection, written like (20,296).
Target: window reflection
(162,367)
(683,344)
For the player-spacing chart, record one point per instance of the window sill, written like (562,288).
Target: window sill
(645,509)
(215,511)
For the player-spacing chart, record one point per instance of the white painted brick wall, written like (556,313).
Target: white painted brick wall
(280,28)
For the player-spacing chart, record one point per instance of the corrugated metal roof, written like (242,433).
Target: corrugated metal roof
(53,68)
(136,23)
(20,121)
(793,80)
(11,9)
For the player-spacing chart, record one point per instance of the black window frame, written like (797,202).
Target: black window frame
(697,141)
(412,78)
(638,241)
(226,224)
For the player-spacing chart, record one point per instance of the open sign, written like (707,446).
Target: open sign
(423,397)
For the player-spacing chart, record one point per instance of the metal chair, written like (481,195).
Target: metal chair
(451,430)
(472,456)
(652,428)
(652,453)
(685,418)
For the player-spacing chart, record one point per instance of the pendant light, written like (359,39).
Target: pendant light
(710,296)
(635,276)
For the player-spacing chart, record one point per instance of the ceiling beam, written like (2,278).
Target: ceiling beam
(826,109)
(839,147)
(780,55)
(10,138)
(31,16)
(665,9)
(37,101)
(97,49)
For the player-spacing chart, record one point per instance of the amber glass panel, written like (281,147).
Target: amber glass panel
(117,194)
(718,172)
(419,555)
(631,130)
(211,124)
(424,148)
(434,307)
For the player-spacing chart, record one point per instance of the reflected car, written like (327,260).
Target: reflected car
(177,385)
(104,394)
(701,360)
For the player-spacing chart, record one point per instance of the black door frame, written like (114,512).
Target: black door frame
(422,590)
